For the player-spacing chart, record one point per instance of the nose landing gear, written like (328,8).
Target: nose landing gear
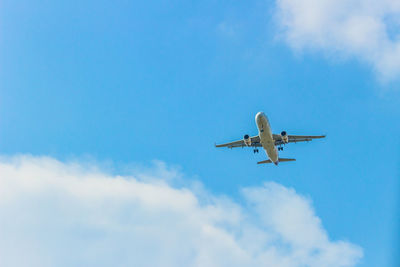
(280,148)
(255,150)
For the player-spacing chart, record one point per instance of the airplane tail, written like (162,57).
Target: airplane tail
(276,163)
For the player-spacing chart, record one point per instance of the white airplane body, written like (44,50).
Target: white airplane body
(266,139)
(269,141)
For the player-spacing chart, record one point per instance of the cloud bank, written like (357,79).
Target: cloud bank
(366,29)
(70,214)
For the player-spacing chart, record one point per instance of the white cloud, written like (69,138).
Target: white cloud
(366,29)
(69,214)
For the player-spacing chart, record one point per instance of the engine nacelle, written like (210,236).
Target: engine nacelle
(285,138)
(247,140)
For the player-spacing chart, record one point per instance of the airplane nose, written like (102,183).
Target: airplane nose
(259,115)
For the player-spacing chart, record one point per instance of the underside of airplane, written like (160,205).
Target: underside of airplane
(272,143)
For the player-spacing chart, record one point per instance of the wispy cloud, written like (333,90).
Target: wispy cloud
(366,29)
(72,214)
(227,29)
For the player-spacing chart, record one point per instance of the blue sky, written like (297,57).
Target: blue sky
(130,82)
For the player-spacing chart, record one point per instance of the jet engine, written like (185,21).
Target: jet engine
(285,138)
(247,140)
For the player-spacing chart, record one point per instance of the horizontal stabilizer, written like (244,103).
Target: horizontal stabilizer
(280,160)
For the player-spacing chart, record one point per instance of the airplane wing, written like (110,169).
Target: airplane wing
(295,138)
(255,142)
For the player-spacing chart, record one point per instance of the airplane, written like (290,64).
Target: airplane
(269,141)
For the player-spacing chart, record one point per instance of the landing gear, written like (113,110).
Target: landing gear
(280,148)
(255,150)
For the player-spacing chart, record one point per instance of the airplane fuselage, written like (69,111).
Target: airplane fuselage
(266,138)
